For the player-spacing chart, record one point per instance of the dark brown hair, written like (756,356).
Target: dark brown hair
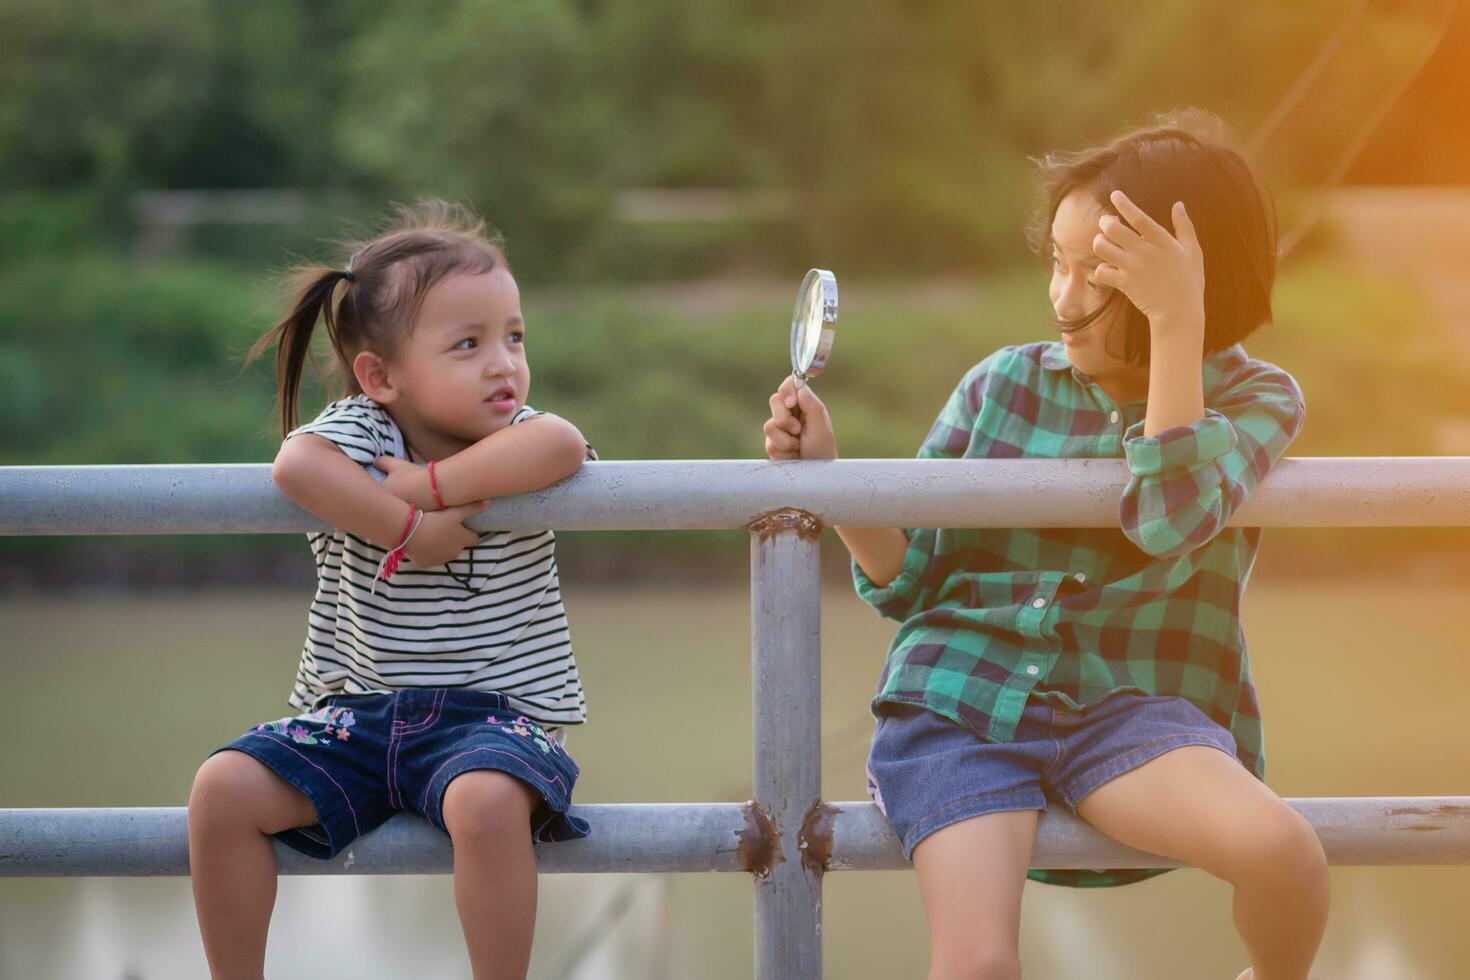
(1184,156)
(372,300)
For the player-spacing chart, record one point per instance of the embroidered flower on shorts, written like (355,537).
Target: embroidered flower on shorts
(526,728)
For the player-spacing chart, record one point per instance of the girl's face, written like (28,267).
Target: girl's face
(462,372)
(1094,350)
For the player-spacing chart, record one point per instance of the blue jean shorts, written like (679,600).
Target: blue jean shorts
(927,772)
(361,758)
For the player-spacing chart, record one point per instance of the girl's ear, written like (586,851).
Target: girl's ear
(372,377)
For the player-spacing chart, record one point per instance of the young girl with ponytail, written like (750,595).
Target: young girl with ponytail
(438,664)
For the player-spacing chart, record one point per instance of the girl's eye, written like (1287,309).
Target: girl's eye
(517,337)
(467,343)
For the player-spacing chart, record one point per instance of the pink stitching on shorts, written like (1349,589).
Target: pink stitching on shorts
(355,825)
(428,787)
(388,762)
(395,742)
(430,719)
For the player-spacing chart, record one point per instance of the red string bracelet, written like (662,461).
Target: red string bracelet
(434,486)
(390,561)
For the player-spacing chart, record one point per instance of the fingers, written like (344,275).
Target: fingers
(1113,231)
(809,401)
(785,430)
(780,454)
(1184,227)
(1147,227)
(781,444)
(1107,249)
(1108,275)
(390,463)
(463,512)
(781,413)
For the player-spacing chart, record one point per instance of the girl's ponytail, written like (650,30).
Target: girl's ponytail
(315,288)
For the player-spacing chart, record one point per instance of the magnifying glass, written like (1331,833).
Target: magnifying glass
(813,325)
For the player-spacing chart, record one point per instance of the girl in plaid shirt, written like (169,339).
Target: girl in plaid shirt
(1100,668)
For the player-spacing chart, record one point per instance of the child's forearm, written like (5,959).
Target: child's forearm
(878,551)
(1176,394)
(519,458)
(321,479)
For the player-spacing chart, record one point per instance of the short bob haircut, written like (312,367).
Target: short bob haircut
(1184,156)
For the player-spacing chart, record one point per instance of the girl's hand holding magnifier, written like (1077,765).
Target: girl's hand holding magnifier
(807,437)
(799,426)
(1162,274)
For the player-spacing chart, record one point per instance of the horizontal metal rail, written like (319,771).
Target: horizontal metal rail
(788,838)
(709,494)
(683,837)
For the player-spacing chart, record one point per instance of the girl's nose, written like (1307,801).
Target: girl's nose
(1072,303)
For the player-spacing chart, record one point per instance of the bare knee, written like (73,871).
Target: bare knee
(233,791)
(218,795)
(484,805)
(1283,851)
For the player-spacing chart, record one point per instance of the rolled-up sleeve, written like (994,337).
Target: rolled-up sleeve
(903,597)
(948,438)
(1186,482)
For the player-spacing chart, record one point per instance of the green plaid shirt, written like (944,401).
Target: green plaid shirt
(993,617)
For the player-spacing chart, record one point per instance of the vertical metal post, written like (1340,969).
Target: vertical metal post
(786,694)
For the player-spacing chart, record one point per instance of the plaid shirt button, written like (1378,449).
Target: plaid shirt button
(1114,417)
(1081,577)
(1038,602)
(1033,670)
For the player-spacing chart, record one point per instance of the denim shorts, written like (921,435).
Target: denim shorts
(362,757)
(927,772)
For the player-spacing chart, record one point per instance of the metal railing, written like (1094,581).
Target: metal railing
(787,838)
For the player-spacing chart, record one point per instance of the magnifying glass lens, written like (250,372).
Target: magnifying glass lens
(810,329)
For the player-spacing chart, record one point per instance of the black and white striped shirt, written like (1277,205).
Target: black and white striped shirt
(490,620)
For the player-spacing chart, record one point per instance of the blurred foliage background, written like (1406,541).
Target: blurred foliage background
(160,160)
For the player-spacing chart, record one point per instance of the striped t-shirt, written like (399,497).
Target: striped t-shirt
(489,620)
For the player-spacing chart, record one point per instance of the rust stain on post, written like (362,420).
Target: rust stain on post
(759,850)
(815,837)
(807,526)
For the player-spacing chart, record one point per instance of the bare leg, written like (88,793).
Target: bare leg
(488,814)
(970,876)
(1200,806)
(235,805)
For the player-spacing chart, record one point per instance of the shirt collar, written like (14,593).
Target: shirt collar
(1054,357)
(1219,367)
